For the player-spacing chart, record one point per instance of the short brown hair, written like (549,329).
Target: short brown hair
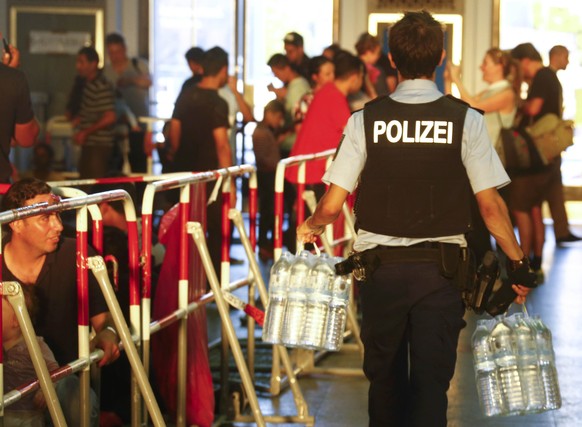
(416,44)
(19,193)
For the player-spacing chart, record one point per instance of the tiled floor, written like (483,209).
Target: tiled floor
(341,401)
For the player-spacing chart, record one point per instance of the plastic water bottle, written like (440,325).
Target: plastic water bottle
(337,313)
(318,296)
(501,343)
(527,362)
(296,299)
(486,374)
(278,284)
(546,357)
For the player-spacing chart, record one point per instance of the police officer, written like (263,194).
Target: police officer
(417,156)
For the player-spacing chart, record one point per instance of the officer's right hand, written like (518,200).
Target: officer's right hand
(307,232)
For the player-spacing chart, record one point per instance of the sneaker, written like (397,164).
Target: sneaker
(540,278)
(569,238)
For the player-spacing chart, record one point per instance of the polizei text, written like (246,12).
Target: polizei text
(419,132)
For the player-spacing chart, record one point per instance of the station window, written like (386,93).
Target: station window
(180,24)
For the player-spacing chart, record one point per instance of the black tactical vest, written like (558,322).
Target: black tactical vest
(414,183)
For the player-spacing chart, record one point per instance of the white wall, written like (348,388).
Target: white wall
(476,41)
(353,22)
(122,16)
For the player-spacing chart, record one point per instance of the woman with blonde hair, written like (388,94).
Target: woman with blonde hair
(500,99)
(500,103)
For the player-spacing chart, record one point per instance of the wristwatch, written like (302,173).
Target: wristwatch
(112,329)
(514,265)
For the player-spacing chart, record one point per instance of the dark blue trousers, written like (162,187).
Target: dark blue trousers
(412,317)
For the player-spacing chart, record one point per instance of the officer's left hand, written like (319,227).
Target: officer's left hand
(521,292)
(107,341)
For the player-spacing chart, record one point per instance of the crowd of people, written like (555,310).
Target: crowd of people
(336,100)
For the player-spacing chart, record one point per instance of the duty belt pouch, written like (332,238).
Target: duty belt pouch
(361,264)
(449,259)
(465,278)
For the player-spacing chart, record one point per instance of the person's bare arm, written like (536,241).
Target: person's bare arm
(326,212)
(222,147)
(532,107)
(106,339)
(107,119)
(224,154)
(25,134)
(496,217)
(243,106)
(175,134)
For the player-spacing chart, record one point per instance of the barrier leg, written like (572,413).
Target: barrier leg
(278,351)
(16,299)
(97,265)
(195,228)
(251,332)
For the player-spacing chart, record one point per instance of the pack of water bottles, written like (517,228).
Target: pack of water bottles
(515,368)
(308,302)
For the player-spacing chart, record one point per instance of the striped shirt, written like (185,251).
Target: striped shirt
(98,98)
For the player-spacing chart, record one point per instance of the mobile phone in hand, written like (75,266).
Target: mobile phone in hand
(7,50)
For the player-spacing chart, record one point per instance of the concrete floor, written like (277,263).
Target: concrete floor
(341,401)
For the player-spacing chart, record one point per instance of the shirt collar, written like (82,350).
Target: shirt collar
(417,90)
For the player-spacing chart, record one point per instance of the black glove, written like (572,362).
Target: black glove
(519,273)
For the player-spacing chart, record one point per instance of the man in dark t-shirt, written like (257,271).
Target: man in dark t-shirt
(17,120)
(545,96)
(199,138)
(37,255)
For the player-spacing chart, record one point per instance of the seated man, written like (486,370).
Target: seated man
(36,255)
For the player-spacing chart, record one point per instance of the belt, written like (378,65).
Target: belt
(420,252)
(421,245)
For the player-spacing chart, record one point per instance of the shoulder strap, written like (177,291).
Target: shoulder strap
(134,62)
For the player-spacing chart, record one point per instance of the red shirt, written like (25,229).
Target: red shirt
(321,130)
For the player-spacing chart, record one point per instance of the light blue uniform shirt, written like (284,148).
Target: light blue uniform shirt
(483,166)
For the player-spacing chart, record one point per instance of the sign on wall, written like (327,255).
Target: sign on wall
(64,42)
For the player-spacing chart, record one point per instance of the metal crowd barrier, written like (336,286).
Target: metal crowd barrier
(140,320)
(149,139)
(217,287)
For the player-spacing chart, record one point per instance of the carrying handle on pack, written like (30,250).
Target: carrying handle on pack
(300,246)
